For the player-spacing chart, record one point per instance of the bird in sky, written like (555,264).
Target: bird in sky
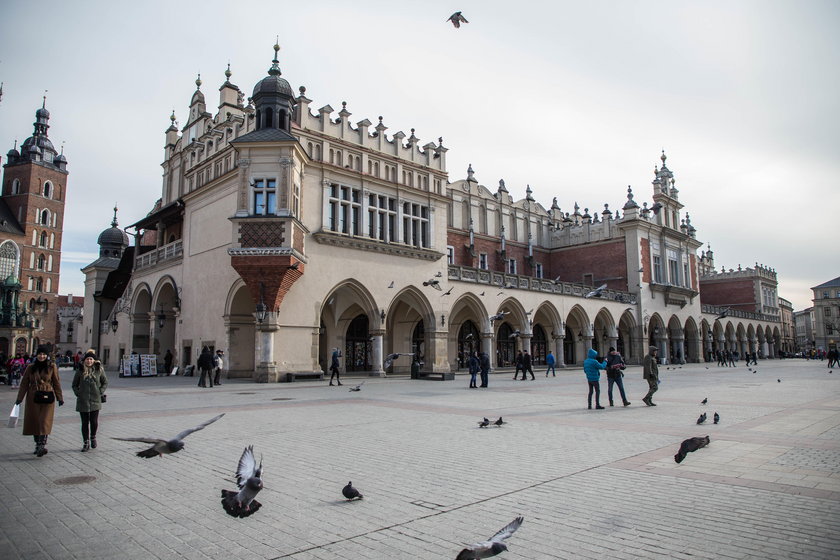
(249,479)
(391,285)
(482,295)
(690,445)
(484,423)
(350,492)
(596,292)
(449,291)
(514,334)
(457,19)
(357,387)
(529,312)
(702,418)
(499,422)
(389,359)
(716,417)
(434,284)
(161,447)
(779,380)
(469,336)
(499,316)
(705,401)
(724,312)
(492,546)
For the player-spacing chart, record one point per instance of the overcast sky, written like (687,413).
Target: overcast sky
(575,98)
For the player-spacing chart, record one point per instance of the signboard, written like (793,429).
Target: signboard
(137,365)
(148,365)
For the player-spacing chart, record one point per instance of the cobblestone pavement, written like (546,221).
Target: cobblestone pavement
(597,484)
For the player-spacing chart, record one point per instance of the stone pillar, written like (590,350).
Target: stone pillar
(680,350)
(525,343)
(153,332)
(266,369)
(612,341)
(437,355)
(376,355)
(559,358)
(664,348)
(487,347)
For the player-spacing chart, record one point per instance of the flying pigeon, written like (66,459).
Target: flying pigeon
(723,313)
(596,292)
(438,274)
(391,285)
(656,207)
(557,280)
(434,284)
(499,422)
(779,380)
(499,316)
(457,19)
(716,417)
(351,493)
(482,295)
(493,546)
(389,359)
(449,291)
(705,401)
(689,445)
(514,334)
(249,479)
(702,418)
(357,387)
(161,446)
(484,423)
(529,312)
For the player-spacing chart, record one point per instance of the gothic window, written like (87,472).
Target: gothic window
(44,239)
(269,118)
(9,260)
(48,189)
(39,284)
(45,217)
(42,261)
(15,186)
(265,197)
(52,240)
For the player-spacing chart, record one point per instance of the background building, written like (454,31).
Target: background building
(803,324)
(826,315)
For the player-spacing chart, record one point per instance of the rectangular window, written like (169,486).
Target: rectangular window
(673,268)
(512,266)
(657,269)
(265,197)
(686,276)
(539,270)
(450,254)
(482,261)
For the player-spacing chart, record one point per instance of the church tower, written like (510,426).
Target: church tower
(33,198)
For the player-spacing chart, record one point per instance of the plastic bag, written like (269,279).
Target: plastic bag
(13,417)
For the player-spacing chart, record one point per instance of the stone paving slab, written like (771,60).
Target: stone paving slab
(591,484)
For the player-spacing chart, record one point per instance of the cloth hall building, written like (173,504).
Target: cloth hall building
(284,231)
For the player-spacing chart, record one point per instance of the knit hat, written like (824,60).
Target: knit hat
(42,350)
(90,354)
(654,349)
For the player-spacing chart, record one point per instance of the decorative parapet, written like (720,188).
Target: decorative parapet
(167,254)
(530,283)
(362,244)
(737,313)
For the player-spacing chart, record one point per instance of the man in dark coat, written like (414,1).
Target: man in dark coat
(484,364)
(205,364)
(526,366)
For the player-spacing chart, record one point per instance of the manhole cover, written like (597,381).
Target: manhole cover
(81,479)
(246,393)
(282,399)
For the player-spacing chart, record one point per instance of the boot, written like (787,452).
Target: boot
(626,403)
(599,407)
(86,446)
(611,403)
(93,441)
(216,381)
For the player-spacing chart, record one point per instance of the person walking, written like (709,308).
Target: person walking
(518,363)
(89,384)
(650,372)
(526,366)
(16,369)
(334,367)
(41,388)
(615,373)
(205,364)
(550,361)
(474,365)
(730,358)
(218,364)
(167,362)
(592,367)
(484,366)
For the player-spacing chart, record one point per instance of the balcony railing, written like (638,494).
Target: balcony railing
(170,252)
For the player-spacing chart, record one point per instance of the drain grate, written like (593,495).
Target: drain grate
(246,393)
(428,505)
(282,399)
(81,479)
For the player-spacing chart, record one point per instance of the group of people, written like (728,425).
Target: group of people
(40,390)
(479,364)
(211,366)
(727,358)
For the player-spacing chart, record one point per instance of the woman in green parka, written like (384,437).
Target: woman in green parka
(89,385)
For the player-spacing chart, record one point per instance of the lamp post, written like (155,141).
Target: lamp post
(161,318)
(114,324)
(262,310)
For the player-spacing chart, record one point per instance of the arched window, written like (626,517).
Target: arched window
(44,239)
(357,348)
(469,341)
(269,118)
(539,346)
(48,189)
(505,346)
(45,217)
(42,262)
(15,186)
(39,284)
(9,259)
(259,119)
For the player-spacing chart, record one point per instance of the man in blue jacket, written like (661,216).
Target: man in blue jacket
(592,367)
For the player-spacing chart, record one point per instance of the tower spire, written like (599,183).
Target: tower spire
(275,64)
(114,221)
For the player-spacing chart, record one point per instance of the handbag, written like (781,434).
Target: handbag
(13,417)
(44,397)
(104,398)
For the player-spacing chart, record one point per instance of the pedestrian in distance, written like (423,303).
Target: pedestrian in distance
(550,361)
(205,364)
(526,366)
(167,362)
(615,373)
(474,366)
(218,365)
(592,367)
(89,384)
(650,371)
(484,366)
(334,371)
(518,364)
(41,387)
(730,358)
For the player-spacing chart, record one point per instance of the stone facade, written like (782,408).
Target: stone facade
(826,315)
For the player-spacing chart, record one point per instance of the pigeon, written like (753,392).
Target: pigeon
(499,422)
(249,479)
(449,291)
(723,313)
(482,295)
(499,316)
(484,423)
(438,274)
(596,292)
(529,312)
(689,445)
(779,380)
(357,387)
(656,207)
(351,493)
(557,280)
(434,284)
(705,401)
(702,418)
(389,359)
(391,285)
(492,546)
(160,447)
(716,417)
(457,19)
(514,334)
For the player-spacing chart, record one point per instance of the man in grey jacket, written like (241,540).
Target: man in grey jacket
(651,373)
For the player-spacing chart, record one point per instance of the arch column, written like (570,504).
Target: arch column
(559,358)
(438,352)
(376,355)
(612,341)
(266,370)
(525,343)
(680,344)
(153,332)
(487,347)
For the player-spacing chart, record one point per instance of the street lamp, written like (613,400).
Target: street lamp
(262,310)
(114,324)
(161,318)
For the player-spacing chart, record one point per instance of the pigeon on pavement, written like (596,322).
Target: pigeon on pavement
(499,422)
(351,493)
(702,418)
(484,423)
(161,447)
(689,445)
(357,387)
(492,546)
(716,417)
(249,479)
(705,401)
(457,19)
